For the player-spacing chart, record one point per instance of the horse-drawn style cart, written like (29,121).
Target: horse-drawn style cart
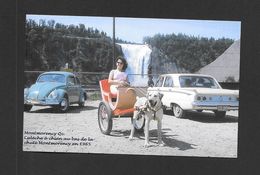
(120,104)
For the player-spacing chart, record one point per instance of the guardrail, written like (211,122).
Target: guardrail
(89,80)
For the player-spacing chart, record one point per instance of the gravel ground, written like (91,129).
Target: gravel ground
(77,131)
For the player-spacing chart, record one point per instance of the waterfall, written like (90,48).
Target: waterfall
(138,59)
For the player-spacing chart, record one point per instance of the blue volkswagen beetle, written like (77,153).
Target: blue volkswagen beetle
(57,89)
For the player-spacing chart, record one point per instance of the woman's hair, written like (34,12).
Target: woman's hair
(124,62)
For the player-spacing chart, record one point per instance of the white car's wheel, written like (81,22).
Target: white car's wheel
(178,111)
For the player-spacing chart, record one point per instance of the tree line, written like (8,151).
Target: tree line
(188,52)
(50,45)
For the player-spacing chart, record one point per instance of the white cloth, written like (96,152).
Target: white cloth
(117,75)
(113,89)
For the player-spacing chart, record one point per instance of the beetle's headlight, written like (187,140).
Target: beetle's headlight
(53,94)
(25,92)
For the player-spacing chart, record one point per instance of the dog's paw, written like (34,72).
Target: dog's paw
(146,145)
(130,138)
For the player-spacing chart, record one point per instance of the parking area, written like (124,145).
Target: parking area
(199,134)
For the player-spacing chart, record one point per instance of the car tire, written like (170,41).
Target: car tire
(178,111)
(220,114)
(82,100)
(27,108)
(105,121)
(139,123)
(64,105)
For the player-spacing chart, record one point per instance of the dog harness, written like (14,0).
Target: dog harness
(154,108)
(147,106)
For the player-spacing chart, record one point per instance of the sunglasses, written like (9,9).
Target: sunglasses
(119,63)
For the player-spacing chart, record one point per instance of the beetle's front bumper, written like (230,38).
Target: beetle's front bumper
(45,102)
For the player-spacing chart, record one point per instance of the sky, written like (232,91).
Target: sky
(134,29)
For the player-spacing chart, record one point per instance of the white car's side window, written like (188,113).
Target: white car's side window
(159,82)
(168,82)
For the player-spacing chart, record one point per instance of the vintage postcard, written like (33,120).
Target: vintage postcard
(138,86)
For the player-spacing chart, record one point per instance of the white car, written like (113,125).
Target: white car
(183,92)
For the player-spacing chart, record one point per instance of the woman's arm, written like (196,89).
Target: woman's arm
(111,81)
(127,81)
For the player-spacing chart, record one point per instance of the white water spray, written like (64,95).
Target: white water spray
(138,58)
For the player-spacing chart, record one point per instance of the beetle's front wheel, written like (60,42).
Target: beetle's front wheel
(64,105)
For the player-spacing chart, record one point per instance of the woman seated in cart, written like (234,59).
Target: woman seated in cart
(118,77)
(122,96)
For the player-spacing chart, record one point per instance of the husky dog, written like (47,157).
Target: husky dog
(151,107)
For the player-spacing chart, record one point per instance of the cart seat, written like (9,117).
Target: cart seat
(105,90)
(125,97)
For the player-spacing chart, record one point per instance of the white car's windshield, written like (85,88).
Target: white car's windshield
(198,81)
(51,78)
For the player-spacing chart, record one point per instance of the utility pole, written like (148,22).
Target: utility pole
(114,43)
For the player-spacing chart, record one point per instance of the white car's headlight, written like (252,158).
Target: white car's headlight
(53,94)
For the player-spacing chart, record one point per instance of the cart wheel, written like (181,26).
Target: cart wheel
(105,118)
(139,122)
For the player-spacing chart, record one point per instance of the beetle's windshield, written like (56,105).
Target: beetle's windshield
(198,81)
(51,78)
